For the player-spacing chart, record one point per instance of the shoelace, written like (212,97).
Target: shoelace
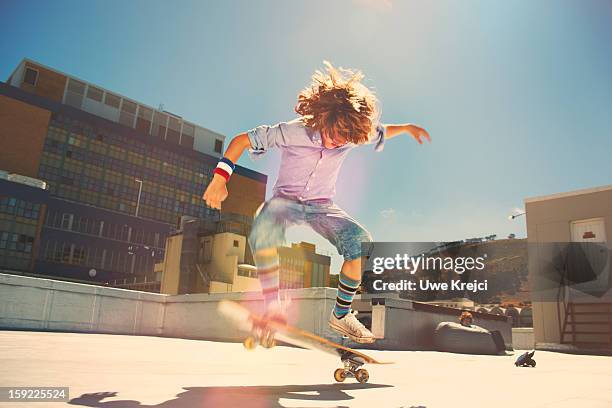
(354,324)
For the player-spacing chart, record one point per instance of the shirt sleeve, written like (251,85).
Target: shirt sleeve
(264,137)
(377,138)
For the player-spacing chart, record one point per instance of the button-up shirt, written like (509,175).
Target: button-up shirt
(308,170)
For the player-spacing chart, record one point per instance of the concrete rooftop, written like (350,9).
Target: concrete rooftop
(133,371)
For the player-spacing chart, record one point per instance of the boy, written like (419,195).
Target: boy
(337,113)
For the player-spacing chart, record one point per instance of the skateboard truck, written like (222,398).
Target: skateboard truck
(261,335)
(351,368)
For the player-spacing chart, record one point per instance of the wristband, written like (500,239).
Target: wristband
(225,168)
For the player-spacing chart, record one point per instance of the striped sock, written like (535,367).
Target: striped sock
(268,271)
(347,288)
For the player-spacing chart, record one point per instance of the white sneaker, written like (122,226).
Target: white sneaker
(351,327)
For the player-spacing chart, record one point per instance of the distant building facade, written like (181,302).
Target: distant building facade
(302,267)
(120,174)
(50,236)
(213,257)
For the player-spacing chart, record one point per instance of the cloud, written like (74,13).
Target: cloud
(388,213)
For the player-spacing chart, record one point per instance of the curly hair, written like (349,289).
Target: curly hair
(338,104)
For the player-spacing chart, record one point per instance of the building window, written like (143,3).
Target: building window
(67,221)
(31,76)
(74,93)
(95,94)
(112,100)
(236,245)
(218,145)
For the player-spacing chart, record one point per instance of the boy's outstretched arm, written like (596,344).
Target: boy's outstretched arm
(418,133)
(216,192)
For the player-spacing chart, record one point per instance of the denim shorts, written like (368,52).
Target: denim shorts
(277,214)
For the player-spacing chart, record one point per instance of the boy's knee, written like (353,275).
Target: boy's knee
(266,232)
(366,237)
(353,246)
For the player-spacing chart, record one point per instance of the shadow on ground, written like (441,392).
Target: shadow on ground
(244,397)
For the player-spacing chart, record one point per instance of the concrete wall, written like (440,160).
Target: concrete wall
(44,304)
(241,284)
(522,338)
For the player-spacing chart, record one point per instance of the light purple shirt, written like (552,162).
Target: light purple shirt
(308,170)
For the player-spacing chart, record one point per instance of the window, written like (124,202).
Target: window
(74,93)
(78,256)
(31,76)
(112,100)
(75,86)
(128,113)
(218,145)
(159,125)
(174,129)
(236,245)
(129,107)
(188,129)
(67,221)
(143,122)
(95,94)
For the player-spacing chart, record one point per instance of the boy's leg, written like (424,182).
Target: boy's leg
(348,283)
(346,234)
(267,262)
(267,233)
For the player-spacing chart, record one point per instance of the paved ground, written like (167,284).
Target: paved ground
(126,372)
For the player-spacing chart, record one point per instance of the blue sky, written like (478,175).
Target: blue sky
(516,95)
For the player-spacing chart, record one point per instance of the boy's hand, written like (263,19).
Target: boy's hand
(418,133)
(216,192)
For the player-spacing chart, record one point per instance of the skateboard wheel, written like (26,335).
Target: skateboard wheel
(339,375)
(362,375)
(249,343)
(269,343)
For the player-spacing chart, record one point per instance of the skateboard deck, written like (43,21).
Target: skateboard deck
(265,332)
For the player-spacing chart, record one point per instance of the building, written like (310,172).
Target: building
(22,214)
(569,267)
(302,267)
(204,257)
(73,240)
(120,174)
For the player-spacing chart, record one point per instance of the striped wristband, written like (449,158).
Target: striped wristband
(225,168)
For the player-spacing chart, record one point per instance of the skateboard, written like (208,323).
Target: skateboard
(526,360)
(265,332)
